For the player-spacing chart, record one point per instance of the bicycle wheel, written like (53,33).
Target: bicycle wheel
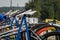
(56,34)
(45,28)
(38,29)
(40,26)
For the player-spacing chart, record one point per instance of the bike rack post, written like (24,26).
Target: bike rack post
(7,38)
(5,25)
(18,34)
(11,22)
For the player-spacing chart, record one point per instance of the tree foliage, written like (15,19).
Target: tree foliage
(45,8)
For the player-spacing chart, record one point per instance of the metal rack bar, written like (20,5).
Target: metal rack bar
(12,30)
(23,19)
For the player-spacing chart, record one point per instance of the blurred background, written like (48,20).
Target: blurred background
(46,9)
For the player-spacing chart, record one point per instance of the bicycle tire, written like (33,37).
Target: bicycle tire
(50,34)
(45,29)
(39,26)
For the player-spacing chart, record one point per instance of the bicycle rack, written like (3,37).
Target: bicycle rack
(18,34)
(23,19)
(11,22)
(20,26)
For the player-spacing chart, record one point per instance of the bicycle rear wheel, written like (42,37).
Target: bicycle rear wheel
(38,29)
(55,34)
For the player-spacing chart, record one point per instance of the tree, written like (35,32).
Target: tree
(34,5)
(45,8)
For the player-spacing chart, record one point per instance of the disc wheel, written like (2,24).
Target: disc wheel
(51,35)
(38,29)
